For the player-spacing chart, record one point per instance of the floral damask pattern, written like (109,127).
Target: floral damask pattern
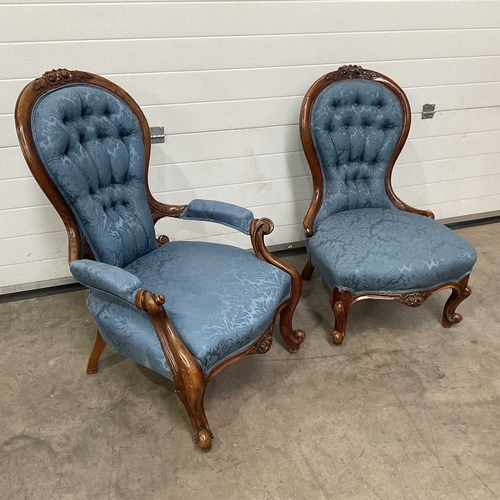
(226,214)
(106,278)
(219,298)
(386,250)
(91,145)
(355,126)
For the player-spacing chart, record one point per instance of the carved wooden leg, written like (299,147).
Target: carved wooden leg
(450,317)
(192,397)
(340,301)
(188,376)
(99,346)
(307,272)
(293,338)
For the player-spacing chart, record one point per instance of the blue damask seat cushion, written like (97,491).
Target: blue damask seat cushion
(220,299)
(91,144)
(387,250)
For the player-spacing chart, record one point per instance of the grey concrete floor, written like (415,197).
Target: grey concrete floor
(404,409)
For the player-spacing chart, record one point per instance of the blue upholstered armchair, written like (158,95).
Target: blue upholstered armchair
(183,309)
(365,242)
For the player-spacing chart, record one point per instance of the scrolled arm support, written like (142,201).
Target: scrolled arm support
(259,229)
(150,302)
(160,210)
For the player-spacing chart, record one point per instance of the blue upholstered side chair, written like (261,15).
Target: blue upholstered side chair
(183,309)
(365,242)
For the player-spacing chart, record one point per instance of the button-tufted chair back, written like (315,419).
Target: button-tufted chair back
(91,145)
(353,125)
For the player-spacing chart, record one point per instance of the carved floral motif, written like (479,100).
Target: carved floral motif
(414,299)
(351,71)
(58,77)
(264,344)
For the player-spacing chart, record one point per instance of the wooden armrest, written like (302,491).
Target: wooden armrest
(160,210)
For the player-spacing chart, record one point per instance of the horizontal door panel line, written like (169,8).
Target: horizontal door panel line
(163,193)
(333,66)
(35,261)
(307,176)
(282,97)
(30,235)
(59,231)
(167,165)
(327,66)
(461,200)
(294,124)
(300,96)
(237,232)
(258,35)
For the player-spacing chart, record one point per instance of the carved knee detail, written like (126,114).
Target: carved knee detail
(458,295)
(341,302)
(293,338)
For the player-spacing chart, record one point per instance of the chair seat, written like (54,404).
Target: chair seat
(219,298)
(386,250)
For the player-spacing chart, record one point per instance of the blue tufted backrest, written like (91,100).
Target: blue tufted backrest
(355,126)
(91,144)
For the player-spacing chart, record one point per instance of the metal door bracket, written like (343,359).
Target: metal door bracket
(157,135)
(428,111)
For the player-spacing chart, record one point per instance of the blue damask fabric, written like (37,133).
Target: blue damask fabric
(355,126)
(91,145)
(219,298)
(106,278)
(387,250)
(226,214)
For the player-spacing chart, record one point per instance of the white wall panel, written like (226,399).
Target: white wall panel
(253,83)
(226,79)
(181,54)
(156,20)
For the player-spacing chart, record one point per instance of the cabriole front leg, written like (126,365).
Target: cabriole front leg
(341,301)
(292,338)
(188,376)
(458,295)
(192,396)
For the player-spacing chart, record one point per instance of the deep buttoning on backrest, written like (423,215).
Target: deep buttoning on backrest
(91,144)
(355,126)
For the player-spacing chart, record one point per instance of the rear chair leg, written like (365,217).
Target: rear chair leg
(307,272)
(340,301)
(450,317)
(99,346)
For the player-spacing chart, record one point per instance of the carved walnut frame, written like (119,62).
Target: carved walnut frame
(341,300)
(189,378)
